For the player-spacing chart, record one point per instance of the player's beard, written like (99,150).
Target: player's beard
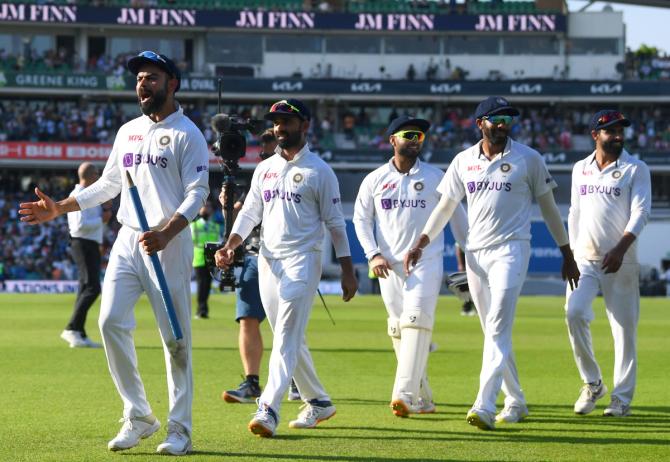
(155,102)
(496,136)
(613,147)
(410,151)
(290,139)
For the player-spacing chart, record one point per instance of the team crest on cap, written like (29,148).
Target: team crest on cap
(164,140)
(502,101)
(505,167)
(418,186)
(616,174)
(297,178)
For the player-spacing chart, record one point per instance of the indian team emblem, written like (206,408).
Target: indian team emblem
(418,186)
(164,140)
(505,167)
(616,174)
(297,178)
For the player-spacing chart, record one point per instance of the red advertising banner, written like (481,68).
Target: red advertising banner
(80,152)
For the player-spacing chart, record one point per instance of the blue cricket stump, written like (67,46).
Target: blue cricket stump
(165,293)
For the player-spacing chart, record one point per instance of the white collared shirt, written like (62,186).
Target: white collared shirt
(606,203)
(85,224)
(499,192)
(397,206)
(293,200)
(168,162)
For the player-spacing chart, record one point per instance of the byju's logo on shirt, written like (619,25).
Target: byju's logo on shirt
(130,159)
(388,204)
(474,186)
(270,194)
(599,189)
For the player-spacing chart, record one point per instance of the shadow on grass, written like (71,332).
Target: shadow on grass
(275,456)
(313,350)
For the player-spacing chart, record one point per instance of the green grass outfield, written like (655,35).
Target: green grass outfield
(59,404)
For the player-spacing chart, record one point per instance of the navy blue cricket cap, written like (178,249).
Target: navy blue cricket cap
(606,118)
(495,105)
(404,121)
(291,106)
(151,57)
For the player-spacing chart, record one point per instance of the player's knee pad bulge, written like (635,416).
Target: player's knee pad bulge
(416,319)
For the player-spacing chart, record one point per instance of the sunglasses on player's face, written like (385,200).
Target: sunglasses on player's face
(499,119)
(284,106)
(610,117)
(411,135)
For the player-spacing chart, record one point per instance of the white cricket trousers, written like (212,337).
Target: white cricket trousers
(495,278)
(288,287)
(417,292)
(621,292)
(129,273)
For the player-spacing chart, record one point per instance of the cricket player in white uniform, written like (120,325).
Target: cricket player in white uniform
(167,157)
(294,193)
(609,207)
(499,178)
(396,199)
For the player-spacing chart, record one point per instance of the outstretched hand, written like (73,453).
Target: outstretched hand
(41,211)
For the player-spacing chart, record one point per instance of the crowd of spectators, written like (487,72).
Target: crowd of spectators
(24,120)
(548,128)
(545,127)
(66,60)
(42,251)
(647,63)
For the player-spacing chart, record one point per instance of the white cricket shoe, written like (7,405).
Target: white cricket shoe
(74,338)
(617,408)
(425,406)
(91,344)
(586,402)
(177,443)
(481,419)
(264,422)
(514,413)
(312,413)
(132,431)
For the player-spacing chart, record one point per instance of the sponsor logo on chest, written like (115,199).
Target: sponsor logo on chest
(603,190)
(130,159)
(280,194)
(389,204)
(486,185)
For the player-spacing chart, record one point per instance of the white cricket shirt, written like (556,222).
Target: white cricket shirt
(293,200)
(85,224)
(168,162)
(499,192)
(606,203)
(398,206)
